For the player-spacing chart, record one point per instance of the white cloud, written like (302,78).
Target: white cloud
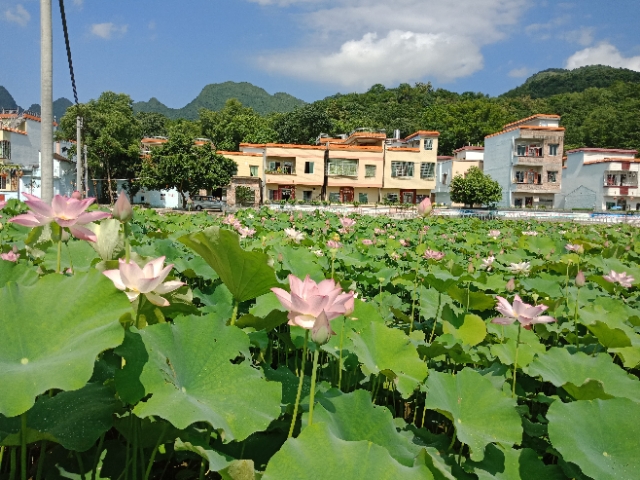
(108,30)
(603,54)
(18,15)
(78,3)
(358,43)
(519,72)
(398,57)
(582,36)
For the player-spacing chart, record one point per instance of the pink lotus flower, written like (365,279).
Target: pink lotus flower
(122,209)
(494,234)
(622,278)
(394,256)
(2,204)
(66,212)
(231,220)
(425,207)
(574,248)
(487,263)
(433,255)
(347,222)
(333,244)
(366,241)
(378,231)
(524,313)
(580,279)
(245,232)
(134,280)
(312,305)
(403,242)
(11,256)
(294,235)
(531,233)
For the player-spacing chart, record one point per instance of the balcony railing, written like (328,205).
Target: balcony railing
(281,171)
(628,183)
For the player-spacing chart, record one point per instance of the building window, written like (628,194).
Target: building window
(402,169)
(444,178)
(3,183)
(253,171)
(274,195)
(343,167)
(5,150)
(518,203)
(392,197)
(334,197)
(369,171)
(427,171)
(306,194)
(363,198)
(553,149)
(519,177)
(142,198)
(521,150)
(610,205)
(552,177)
(285,168)
(428,143)
(163,196)
(308,167)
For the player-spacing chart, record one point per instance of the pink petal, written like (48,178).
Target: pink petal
(157,299)
(154,267)
(304,321)
(66,222)
(311,305)
(88,217)
(132,295)
(131,274)
(503,320)
(168,287)
(38,206)
(284,297)
(114,276)
(295,285)
(544,319)
(83,233)
(28,220)
(504,307)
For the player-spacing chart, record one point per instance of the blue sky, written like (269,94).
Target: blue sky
(311,48)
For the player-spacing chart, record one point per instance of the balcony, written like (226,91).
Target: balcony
(525,187)
(621,179)
(281,171)
(529,160)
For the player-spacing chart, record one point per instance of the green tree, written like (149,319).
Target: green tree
(152,124)
(235,124)
(475,188)
(112,134)
(182,165)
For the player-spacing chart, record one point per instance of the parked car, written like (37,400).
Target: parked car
(201,202)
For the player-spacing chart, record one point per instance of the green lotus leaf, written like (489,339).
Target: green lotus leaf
(73,419)
(381,349)
(613,336)
(316,454)
(76,253)
(246,274)
(480,413)
(512,464)
(191,378)
(506,352)
(18,273)
(569,371)
(471,331)
(599,436)
(127,379)
(300,262)
(52,332)
(630,355)
(472,300)
(354,417)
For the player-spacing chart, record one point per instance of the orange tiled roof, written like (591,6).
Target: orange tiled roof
(613,160)
(14,130)
(527,127)
(403,149)
(426,133)
(242,154)
(28,116)
(469,147)
(532,117)
(603,150)
(355,148)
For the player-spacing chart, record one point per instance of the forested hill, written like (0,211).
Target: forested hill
(214,96)
(555,81)
(6,100)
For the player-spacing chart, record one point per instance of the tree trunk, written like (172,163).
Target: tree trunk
(109,183)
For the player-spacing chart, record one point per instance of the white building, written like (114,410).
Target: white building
(526,160)
(20,162)
(448,167)
(601,179)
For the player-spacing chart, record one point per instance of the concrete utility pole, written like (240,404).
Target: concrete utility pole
(46,101)
(79,176)
(86,173)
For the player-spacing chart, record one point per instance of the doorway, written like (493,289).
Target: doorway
(346,194)
(408,196)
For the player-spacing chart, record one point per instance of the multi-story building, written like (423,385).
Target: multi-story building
(450,167)
(526,160)
(20,157)
(363,167)
(601,179)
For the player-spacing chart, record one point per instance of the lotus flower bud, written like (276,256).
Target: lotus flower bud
(580,280)
(77,195)
(122,210)
(425,207)
(321,331)
(511,285)
(470,268)
(1,226)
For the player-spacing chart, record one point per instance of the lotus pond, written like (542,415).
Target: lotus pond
(445,349)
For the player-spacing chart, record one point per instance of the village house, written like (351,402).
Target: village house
(525,158)
(449,167)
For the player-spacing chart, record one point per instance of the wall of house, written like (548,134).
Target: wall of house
(364,156)
(301,154)
(245,161)
(416,157)
(498,154)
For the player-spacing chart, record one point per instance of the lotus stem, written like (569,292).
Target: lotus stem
(1,456)
(202,470)
(313,383)
(13,466)
(435,320)
(154,452)
(515,363)
(134,433)
(140,302)
(340,360)
(80,466)
(59,262)
(234,316)
(300,383)
(96,457)
(43,450)
(23,446)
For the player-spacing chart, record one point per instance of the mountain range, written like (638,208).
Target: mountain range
(543,84)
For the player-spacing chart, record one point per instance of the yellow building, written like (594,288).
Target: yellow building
(363,167)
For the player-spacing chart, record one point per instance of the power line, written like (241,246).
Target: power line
(66,41)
